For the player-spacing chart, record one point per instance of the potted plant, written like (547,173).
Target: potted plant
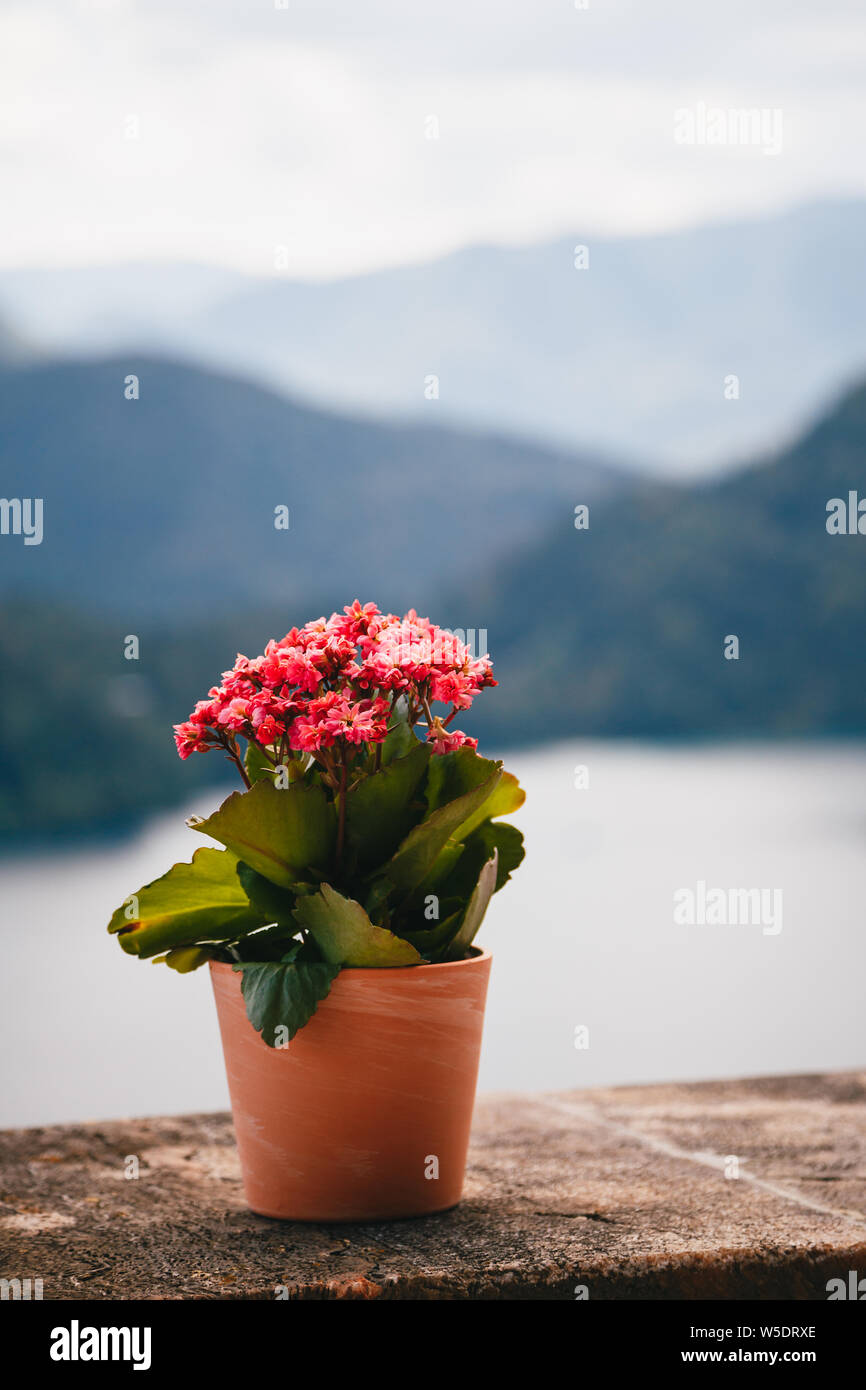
(339,916)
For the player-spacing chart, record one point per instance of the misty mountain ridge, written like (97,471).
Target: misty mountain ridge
(623,628)
(169,492)
(619,629)
(628,356)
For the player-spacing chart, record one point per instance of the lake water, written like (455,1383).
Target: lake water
(586,948)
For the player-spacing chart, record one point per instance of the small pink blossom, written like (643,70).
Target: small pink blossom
(234,715)
(363,722)
(189,739)
(448,740)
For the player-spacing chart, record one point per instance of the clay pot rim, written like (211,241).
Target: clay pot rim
(477,957)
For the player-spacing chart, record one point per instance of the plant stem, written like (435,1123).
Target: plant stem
(234,756)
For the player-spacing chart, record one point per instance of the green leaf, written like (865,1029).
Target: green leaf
(380,891)
(421,848)
(281,994)
(269,943)
(185,959)
(506,797)
(401,739)
(201,901)
(378,811)
(507,841)
(276,904)
(484,890)
(493,836)
(346,936)
(433,941)
(257,764)
(282,834)
(259,767)
(443,869)
(454,774)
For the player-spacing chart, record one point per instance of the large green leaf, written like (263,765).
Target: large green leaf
(269,943)
(201,901)
(376,899)
(507,796)
(378,810)
(433,941)
(276,904)
(441,872)
(185,959)
(421,848)
(281,994)
(507,841)
(492,837)
(346,936)
(282,834)
(454,774)
(484,890)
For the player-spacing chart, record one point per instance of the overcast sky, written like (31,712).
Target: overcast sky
(220,130)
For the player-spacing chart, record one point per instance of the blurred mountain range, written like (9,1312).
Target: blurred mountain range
(621,629)
(628,356)
(158,523)
(164,506)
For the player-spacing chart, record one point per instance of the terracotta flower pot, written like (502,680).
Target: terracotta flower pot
(366,1114)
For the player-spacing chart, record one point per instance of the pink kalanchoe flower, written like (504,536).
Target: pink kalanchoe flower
(383,667)
(448,740)
(234,715)
(376,628)
(481,672)
(356,620)
(206,712)
(309,735)
(330,655)
(288,665)
(363,722)
(453,688)
(302,672)
(327,682)
(239,682)
(190,738)
(313,631)
(267,717)
(267,730)
(401,653)
(291,639)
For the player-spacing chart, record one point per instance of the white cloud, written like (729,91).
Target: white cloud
(305,128)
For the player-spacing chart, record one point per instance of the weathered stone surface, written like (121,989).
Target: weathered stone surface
(620,1191)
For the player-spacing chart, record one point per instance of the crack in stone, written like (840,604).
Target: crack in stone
(715,1162)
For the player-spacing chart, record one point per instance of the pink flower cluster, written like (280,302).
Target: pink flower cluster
(334,684)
